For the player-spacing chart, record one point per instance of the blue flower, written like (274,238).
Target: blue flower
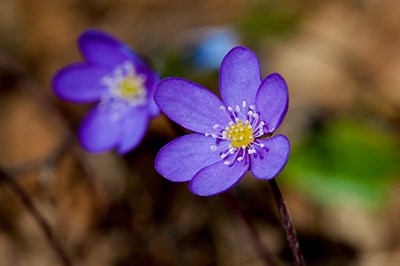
(121,83)
(231,136)
(217,41)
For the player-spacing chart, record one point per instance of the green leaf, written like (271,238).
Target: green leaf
(346,160)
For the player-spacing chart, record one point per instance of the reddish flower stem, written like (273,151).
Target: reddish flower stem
(43,224)
(287,224)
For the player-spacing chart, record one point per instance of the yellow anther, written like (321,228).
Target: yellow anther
(131,87)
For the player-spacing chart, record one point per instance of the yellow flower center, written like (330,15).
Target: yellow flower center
(240,135)
(126,85)
(131,87)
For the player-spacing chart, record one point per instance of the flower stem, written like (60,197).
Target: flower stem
(43,224)
(287,224)
(262,251)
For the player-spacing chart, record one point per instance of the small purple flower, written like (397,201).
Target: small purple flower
(122,84)
(232,135)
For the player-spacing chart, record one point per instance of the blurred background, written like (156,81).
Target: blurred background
(341,60)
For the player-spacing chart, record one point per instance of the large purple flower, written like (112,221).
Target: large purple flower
(122,84)
(232,135)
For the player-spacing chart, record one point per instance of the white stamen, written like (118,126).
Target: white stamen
(239,137)
(252,150)
(124,85)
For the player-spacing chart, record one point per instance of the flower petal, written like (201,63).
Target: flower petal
(239,77)
(133,128)
(272,101)
(217,178)
(267,162)
(80,83)
(101,48)
(189,104)
(154,111)
(151,83)
(99,131)
(183,157)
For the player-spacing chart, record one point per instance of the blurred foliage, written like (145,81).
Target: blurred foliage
(177,65)
(266,20)
(345,160)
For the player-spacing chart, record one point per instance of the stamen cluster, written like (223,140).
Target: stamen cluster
(126,85)
(239,138)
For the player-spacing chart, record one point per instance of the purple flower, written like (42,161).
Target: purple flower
(122,84)
(232,135)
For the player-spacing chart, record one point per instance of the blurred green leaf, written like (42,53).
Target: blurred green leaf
(346,160)
(268,21)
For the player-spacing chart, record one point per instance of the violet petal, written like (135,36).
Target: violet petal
(99,131)
(183,157)
(133,129)
(151,83)
(217,178)
(239,77)
(272,101)
(190,105)
(101,48)
(267,162)
(80,83)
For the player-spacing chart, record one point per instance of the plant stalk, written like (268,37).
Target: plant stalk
(40,220)
(287,224)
